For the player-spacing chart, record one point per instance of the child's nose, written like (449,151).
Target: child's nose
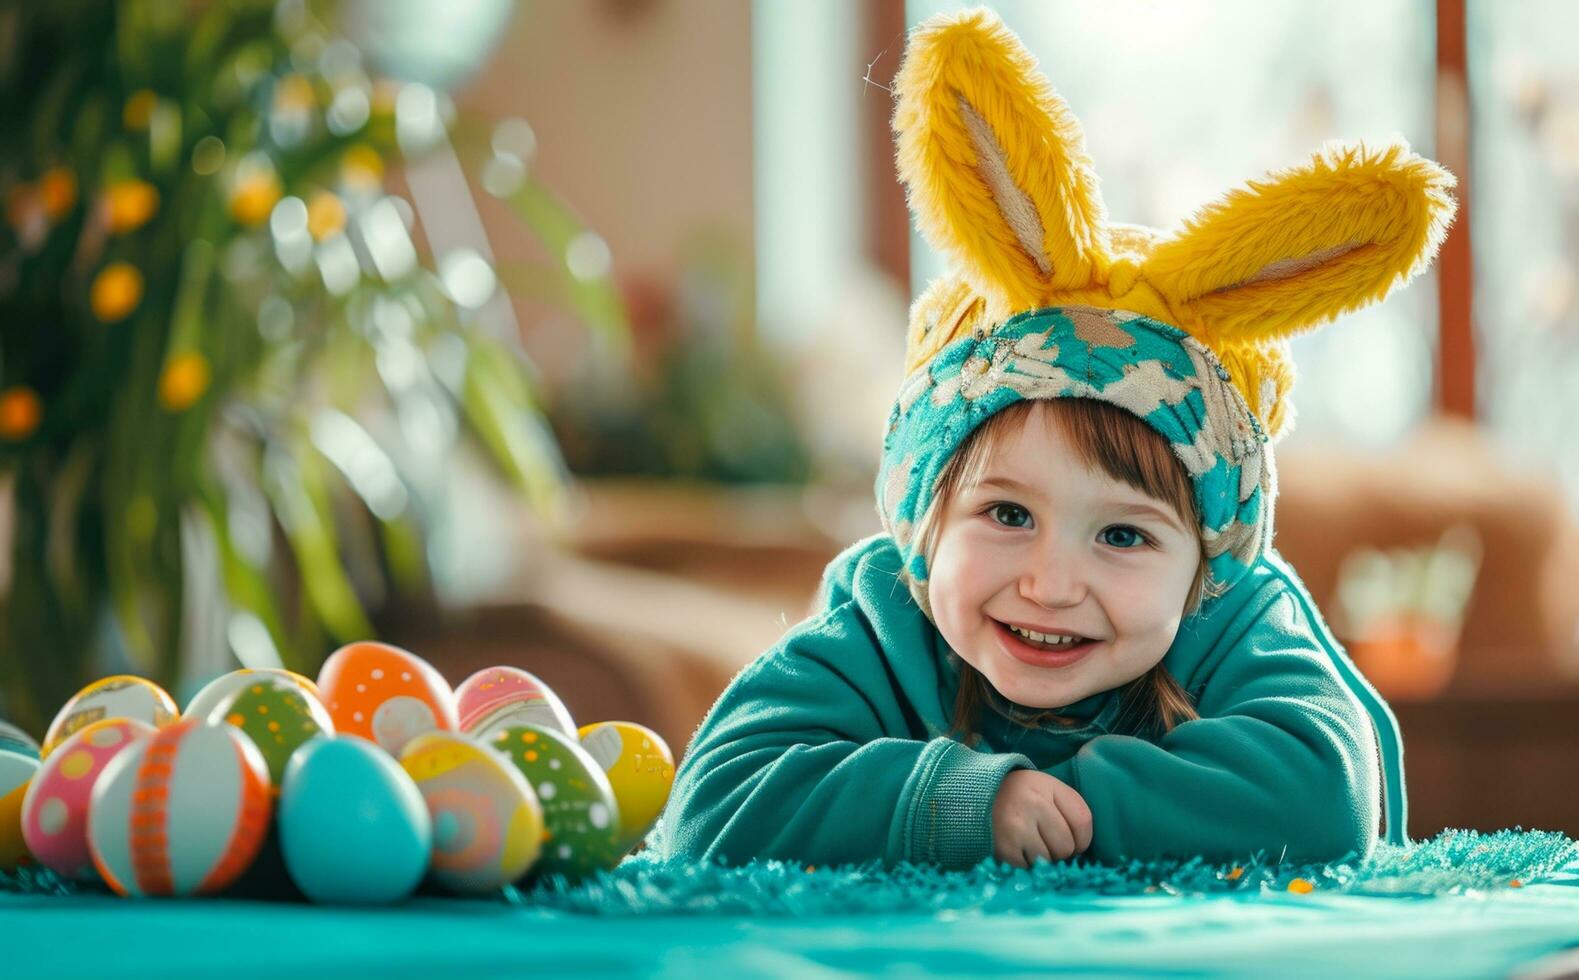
(1053,580)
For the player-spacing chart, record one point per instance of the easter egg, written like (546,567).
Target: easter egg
(640,770)
(180,812)
(385,694)
(580,816)
(353,826)
(278,716)
(14,739)
(497,697)
(55,809)
(487,822)
(121,696)
(16,771)
(209,695)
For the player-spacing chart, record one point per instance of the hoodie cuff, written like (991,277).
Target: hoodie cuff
(950,819)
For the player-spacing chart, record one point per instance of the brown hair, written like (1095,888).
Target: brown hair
(1113,441)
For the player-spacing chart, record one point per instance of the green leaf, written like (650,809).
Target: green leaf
(246,586)
(595,300)
(295,487)
(499,407)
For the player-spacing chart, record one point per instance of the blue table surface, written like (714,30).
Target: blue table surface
(1499,932)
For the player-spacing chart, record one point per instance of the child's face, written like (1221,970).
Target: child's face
(1046,544)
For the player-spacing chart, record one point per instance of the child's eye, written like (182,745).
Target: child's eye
(1126,537)
(1009,515)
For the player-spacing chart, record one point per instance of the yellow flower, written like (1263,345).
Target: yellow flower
(325,216)
(362,167)
(58,188)
(139,109)
(129,204)
(184,380)
(20,412)
(116,291)
(293,92)
(254,197)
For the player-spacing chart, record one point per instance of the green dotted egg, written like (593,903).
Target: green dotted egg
(279,716)
(580,818)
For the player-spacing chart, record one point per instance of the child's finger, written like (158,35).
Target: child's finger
(1073,806)
(1057,836)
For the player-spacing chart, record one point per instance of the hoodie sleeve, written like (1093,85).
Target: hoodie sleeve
(807,757)
(1281,762)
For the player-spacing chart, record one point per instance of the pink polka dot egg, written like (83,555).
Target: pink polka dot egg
(55,809)
(385,694)
(121,696)
(181,812)
(487,821)
(495,698)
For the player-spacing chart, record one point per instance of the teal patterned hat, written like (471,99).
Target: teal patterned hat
(1152,370)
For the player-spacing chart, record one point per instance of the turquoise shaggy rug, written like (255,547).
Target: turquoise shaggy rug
(1462,904)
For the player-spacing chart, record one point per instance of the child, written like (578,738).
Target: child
(1074,635)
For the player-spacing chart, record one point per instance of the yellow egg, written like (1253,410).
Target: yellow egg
(16,772)
(640,767)
(121,696)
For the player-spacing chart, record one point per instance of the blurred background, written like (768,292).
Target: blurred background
(562,334)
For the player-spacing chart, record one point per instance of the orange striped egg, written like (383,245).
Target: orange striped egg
(182,812)
(55,809)
(121,696)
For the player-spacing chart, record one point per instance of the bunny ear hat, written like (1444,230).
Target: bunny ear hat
(1046,298)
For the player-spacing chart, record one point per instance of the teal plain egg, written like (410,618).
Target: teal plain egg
(353,826)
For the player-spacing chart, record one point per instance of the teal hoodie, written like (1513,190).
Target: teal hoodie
(834,745)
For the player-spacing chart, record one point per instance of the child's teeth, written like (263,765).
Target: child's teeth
(1063,641)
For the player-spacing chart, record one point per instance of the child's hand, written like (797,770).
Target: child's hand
(1038,816)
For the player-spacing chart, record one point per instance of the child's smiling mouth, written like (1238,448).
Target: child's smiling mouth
(1040,653)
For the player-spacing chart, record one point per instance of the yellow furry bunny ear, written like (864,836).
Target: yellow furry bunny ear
(995,164)
(1305,245)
